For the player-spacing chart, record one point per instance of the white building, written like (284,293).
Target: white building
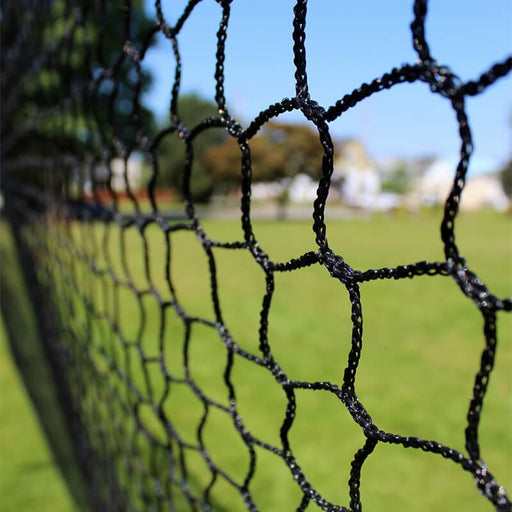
(361,184)
(484,191)
(134,175)
(302,189)
(480,191)
(435,184)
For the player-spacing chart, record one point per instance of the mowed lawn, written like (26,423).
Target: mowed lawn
(29,476)
(421,347)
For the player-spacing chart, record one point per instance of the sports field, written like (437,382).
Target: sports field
(421,347)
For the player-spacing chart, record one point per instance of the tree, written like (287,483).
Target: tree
(281,151)
(192,109)
(398,181)
(506,179)
(68,86)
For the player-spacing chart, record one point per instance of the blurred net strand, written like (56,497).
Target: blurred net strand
(94,356)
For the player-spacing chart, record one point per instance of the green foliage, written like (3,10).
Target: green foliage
(171,151)
(280,151)
(398,181)
(68,84)
(506,178)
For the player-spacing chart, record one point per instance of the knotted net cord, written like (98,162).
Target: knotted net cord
(61,126)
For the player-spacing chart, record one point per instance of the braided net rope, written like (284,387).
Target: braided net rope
(61,126)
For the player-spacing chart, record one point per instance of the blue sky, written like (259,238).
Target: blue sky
(348,43)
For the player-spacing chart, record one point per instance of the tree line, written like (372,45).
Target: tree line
(72,93)
(64,51)
(279,151)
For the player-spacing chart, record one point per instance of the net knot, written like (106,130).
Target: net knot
(472,286)
(311,109)
(441,79)
(338,268)
(489,488)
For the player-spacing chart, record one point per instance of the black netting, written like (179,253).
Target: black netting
(102,269)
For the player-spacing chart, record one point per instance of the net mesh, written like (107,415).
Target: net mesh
(72,83)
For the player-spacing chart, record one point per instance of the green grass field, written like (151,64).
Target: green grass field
(29,476)
(421,348)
